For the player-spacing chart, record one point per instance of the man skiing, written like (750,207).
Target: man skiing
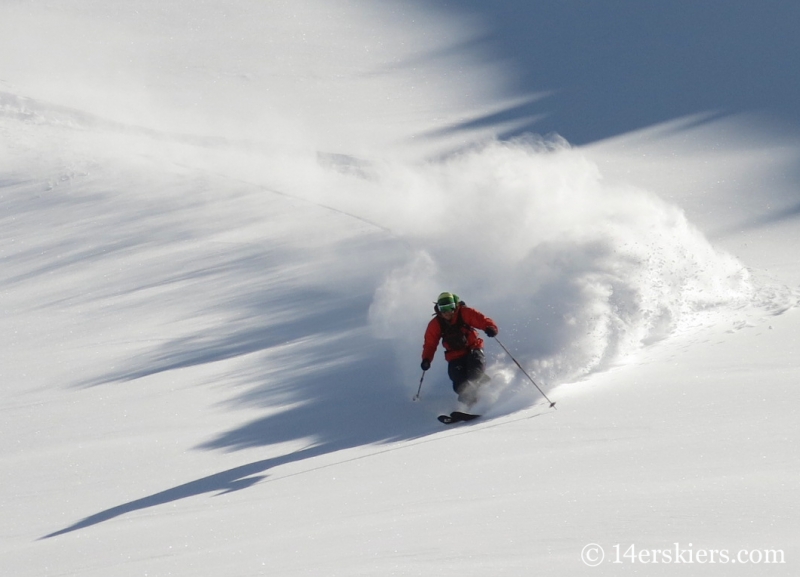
(454,324)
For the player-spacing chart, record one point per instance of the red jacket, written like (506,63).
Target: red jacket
(471,318)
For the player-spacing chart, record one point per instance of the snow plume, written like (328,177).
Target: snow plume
(577,273)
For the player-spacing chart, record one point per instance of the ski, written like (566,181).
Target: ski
(456,417)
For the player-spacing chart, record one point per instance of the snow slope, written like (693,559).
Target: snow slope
(221,229)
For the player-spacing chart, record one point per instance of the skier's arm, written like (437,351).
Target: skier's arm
(480,321)
(433,335)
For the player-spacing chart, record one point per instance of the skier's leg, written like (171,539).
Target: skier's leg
(476,366)
(475,376)
(457,371)
(460,370)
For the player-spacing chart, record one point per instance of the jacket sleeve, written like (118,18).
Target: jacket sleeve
(477,319)
(433,335)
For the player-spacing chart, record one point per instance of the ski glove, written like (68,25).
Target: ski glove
(490,332)
(426,364)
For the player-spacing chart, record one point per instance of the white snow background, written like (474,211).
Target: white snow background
(222,227)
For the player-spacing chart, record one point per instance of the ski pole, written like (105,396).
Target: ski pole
(552,404)
(416,397)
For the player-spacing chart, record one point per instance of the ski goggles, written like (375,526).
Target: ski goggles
(447,307)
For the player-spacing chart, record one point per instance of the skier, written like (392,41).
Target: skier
(454,323)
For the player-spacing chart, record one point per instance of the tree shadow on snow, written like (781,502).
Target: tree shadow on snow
(333,384)
(351,401)
(602,69)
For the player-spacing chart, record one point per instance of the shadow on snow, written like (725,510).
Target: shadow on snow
(609,68)
(309,351)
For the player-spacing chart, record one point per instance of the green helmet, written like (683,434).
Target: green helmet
(447,302)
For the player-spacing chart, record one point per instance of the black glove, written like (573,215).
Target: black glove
(490,332)
(426,364)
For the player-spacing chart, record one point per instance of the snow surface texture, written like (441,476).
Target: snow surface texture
(222,226)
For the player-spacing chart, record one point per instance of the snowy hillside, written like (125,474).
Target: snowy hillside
(222,226)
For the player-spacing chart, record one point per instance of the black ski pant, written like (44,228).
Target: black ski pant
(467,369)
